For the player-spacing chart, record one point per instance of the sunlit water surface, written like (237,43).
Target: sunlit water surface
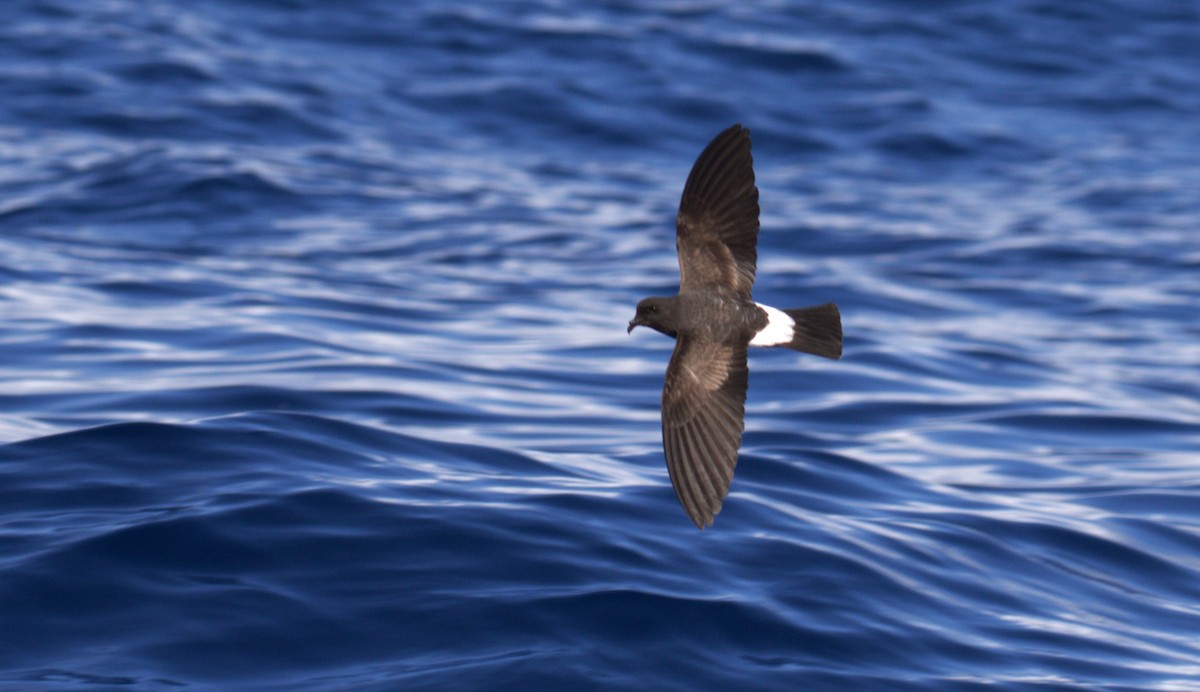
(314,369)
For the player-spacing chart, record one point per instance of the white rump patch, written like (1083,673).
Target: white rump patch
(779,330)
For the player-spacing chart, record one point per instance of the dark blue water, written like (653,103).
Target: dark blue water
(314,373)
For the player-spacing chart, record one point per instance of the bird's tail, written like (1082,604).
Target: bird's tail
(818,330)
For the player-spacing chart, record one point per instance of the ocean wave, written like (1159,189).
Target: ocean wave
(315,371)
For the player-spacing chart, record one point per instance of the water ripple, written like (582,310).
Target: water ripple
(315,372)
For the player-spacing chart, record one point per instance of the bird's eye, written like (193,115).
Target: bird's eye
(653,308)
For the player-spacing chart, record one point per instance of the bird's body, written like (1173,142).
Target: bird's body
(717,315)
(714,320)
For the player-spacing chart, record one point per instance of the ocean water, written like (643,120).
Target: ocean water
(314,372)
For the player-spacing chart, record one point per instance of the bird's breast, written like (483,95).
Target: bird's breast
(719,316)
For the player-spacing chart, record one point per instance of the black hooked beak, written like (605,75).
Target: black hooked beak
(635,322)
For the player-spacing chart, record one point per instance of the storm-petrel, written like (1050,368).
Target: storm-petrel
(714,321)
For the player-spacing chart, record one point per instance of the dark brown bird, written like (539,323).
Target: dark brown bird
(714,320)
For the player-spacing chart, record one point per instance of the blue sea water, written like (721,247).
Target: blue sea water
(314,372)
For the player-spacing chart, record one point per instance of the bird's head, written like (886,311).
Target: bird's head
(657,314)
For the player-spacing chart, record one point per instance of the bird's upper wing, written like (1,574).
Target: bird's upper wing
(703,415)
(717,227)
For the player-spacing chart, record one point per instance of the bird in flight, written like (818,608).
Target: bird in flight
(714,320)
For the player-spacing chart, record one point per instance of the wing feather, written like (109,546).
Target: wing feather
(716,231)
(704,399)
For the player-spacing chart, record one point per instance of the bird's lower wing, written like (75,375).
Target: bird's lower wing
(703,414)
